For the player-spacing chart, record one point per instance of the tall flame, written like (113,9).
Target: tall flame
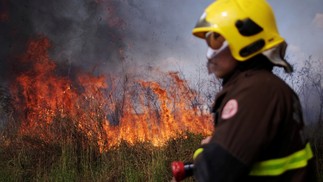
(101,109)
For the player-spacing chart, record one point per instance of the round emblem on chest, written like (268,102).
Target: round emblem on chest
(230,109)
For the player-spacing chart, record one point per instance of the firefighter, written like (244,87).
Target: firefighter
(259,125)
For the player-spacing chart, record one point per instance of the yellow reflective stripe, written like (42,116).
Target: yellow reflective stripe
(197,152)
(276,167)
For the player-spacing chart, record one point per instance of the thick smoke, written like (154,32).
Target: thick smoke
(101,34)
(78,31)
(76,28)
(299,22)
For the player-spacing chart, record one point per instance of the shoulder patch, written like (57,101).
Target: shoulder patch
(230,109)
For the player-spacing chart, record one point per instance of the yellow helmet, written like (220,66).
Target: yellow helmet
(249,26)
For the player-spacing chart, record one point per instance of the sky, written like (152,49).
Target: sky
(145,33)
(301,23)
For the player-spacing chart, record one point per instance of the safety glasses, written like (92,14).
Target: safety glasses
(216,43)
(214,40)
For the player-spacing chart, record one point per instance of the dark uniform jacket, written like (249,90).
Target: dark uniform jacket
(259,131)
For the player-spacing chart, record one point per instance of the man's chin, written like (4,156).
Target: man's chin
(218,75)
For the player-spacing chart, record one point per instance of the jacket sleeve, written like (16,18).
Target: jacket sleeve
(217,164)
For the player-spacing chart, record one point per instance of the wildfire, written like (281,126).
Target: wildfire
(101,109)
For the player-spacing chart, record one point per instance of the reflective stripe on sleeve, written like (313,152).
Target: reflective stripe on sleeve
(275,167)
(197,152)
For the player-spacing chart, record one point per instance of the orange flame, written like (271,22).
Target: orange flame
(143,111)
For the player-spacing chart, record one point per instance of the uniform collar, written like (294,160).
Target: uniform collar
(259,62)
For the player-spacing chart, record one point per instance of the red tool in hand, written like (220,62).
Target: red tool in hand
(182,170)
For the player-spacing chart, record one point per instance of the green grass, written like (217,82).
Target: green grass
(27,159)
(30,159)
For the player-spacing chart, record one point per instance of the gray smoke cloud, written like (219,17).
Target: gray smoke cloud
(103,33)
(78,30)
(100,34)
(300,23)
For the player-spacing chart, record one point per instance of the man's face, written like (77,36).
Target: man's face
(220,60)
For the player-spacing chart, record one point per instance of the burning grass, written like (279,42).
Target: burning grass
(96,127)
(106,110)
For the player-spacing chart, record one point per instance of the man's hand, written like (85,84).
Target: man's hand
(206,140)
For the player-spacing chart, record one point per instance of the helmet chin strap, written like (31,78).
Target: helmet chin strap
(211,53)
(277,56)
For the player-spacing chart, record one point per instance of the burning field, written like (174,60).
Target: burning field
(74,107)
(103,109)
(107,120)
(55,100)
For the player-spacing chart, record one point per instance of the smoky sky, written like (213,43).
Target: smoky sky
(100,33)
(76,29)
(104,35)
(296,20)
